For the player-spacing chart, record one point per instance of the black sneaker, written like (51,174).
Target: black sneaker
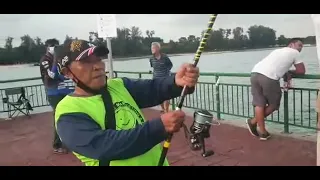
(265,136)
(252,128)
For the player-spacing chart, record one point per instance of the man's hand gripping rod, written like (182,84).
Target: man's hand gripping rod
(200,49)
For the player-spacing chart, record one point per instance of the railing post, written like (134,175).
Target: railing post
(218,99)
(286,111)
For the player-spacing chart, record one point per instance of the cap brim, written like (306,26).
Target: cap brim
(99,51)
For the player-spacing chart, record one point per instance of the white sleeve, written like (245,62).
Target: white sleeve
(51,74)
(296,58)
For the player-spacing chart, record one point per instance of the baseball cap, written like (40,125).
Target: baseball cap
(52,42)
(77,50)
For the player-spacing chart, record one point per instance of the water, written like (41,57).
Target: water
(232,62)
(241,62)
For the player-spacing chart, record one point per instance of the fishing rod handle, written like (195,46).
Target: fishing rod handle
(166,146)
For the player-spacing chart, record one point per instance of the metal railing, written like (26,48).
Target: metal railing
(231,97)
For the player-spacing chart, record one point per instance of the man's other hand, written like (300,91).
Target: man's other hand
(173,120)
(187,75)
(287,77)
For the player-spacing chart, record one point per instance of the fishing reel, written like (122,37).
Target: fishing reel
(199,131)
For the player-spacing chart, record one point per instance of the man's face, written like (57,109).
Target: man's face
(90,71)
(297,45)
(154,49)
(50,49)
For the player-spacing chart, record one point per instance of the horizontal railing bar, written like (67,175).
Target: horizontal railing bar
(306,76)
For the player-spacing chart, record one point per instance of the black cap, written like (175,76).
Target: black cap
(77,50)
(52,42)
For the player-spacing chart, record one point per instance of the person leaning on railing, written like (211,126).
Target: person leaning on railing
(265,83)
(81,117)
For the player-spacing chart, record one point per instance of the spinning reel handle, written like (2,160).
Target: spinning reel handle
(214,124)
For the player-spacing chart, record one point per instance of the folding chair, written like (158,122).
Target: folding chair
(22,105)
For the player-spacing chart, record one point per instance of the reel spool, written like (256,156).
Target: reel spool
(200,130)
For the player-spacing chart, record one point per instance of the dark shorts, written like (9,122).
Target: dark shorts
(265,91)
(54,100)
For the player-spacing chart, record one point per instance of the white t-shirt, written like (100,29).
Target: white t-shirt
(277,63)
(316,23)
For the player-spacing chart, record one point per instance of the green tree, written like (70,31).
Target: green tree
(282,40)
(8,45)
(132,42)
(261,36)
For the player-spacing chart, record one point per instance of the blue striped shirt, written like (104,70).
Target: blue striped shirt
(161,67)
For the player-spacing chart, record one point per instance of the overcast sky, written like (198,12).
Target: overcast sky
(167,26)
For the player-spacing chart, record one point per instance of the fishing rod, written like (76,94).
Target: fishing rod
(196,58)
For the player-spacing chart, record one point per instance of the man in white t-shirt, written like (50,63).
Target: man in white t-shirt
(265,83)
(316,22)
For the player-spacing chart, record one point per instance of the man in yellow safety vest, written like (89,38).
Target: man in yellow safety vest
(101,123)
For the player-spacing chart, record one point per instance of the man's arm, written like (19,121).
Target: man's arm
(298,64)
(169,63)
(47,67)
(150,61)
(300,69)
(83,135)
(151,65)
(57,75)
(152,92)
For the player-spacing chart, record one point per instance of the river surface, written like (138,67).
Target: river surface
(238,62)
(232,62)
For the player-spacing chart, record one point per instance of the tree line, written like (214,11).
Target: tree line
(131,42)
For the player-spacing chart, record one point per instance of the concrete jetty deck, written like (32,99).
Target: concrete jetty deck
(27,142)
